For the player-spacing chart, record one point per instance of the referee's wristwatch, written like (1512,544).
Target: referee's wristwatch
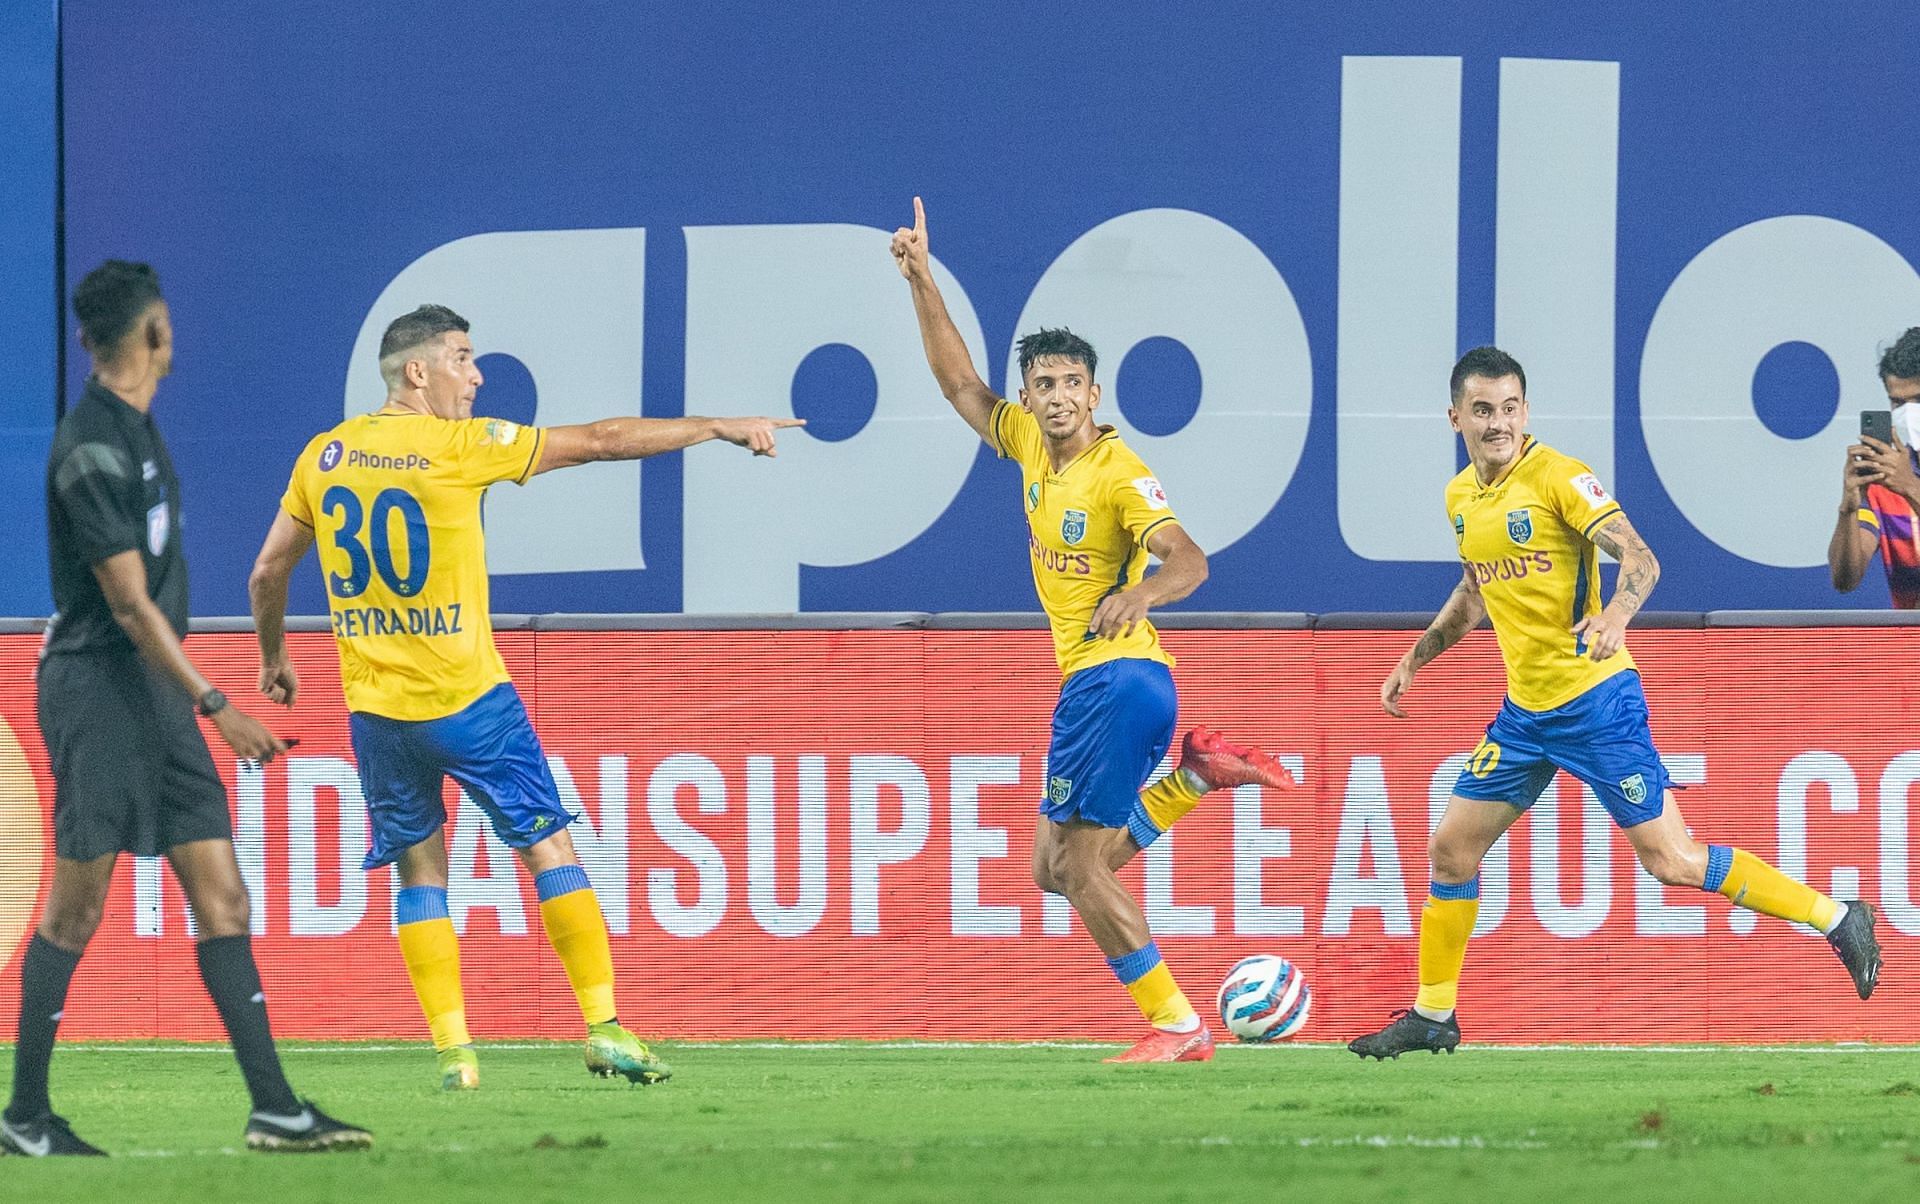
(211,703)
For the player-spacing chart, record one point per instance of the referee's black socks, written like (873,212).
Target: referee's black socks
(226,966)
(44,974)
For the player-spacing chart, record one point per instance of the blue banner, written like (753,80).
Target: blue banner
(29,292)
(1278,225)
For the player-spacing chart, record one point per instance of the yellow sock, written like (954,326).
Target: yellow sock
(432,954)
(1151,984)
(1446,921)
(1757,886)
(578,933)
(1167,801)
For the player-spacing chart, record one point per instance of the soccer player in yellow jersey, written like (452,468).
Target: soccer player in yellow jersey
(393,500)
(1528,521)
(1094,513)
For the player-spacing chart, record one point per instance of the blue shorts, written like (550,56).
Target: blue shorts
(1111,727)
(488,747)
(1601,737)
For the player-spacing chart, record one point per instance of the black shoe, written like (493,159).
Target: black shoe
(1409,1030)
(1854,943)
(305,1131)
(44,1136)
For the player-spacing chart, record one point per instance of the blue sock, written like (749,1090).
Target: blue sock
(1719,865)
(1132,967)
(560,880)
(418,903)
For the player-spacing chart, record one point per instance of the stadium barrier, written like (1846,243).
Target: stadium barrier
(819,830)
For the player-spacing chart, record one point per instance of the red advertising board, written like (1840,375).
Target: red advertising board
(825,834)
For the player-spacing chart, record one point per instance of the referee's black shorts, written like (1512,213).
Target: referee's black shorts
(131,770)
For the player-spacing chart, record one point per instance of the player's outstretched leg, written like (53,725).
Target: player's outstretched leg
(1219,763)
(1757,886)
(1208,762)
(578,933)
(431,951)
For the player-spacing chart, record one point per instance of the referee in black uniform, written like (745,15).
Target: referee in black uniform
(117,696)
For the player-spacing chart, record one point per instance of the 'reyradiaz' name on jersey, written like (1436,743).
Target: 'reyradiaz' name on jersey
(355,622)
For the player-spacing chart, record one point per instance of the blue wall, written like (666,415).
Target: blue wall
(1278,223)
(29,292)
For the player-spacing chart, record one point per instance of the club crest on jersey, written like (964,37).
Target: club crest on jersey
(1520,525)
(1059,790)
(330,456)
(1635,788)
(1073,526)
(1033,497)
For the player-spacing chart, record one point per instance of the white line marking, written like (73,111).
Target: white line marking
(708,1045)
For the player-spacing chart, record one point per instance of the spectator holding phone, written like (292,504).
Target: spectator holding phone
(1880,485)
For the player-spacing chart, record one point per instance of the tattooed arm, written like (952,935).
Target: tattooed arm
(1462,613)
(1606,632)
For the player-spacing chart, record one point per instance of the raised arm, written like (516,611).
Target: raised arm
(1851,548)
(1639,572)
(947,352)
(123,579)
(638,438)
(286,544)
(1464,609)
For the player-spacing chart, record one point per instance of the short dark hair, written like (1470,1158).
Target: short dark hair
(412,329)
(1488,361)
(409,330)
(110,300)
(1903,358)
(1055,344)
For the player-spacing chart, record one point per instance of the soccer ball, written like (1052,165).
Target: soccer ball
(1265,998)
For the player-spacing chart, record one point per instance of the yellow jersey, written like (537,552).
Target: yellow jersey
(1528,540)
(1087,529)
(393,501)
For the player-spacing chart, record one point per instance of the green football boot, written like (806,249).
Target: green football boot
(459,1068)
(613,1051)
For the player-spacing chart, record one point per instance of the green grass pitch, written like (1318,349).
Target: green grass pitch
(853,1122)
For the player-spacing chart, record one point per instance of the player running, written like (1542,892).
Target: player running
(393,497)
(1528,520)
(1094,513)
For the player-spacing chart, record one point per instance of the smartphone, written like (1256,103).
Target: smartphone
(1877,424)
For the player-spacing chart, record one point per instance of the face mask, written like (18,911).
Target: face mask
(1906,423)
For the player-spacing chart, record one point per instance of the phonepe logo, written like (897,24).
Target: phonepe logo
(1181,274)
